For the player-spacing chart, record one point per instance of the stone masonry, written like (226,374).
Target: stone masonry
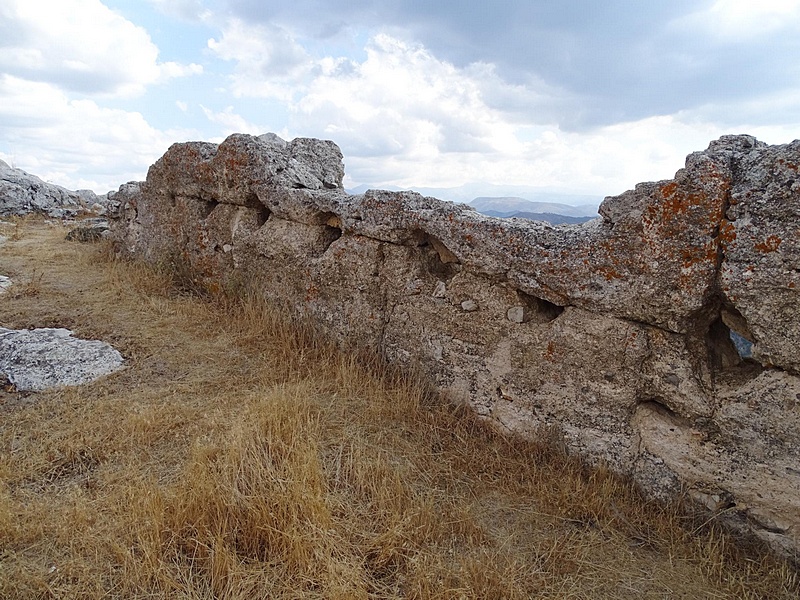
(616,332)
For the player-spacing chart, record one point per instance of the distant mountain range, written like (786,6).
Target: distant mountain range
(516,201)
(552,218)
(468,192)
(552,212)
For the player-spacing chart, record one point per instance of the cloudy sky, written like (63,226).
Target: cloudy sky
(575,96)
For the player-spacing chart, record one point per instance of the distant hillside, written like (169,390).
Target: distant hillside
(468,193)
(513,206)
(552,218)
(556,213)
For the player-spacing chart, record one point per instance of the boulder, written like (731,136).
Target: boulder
(38,359)
(617,332)
(90,230)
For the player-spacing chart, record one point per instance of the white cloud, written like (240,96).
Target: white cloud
(740,19)
(401,113)
(619,61)
(80,45)
(737,23)
(404,107)
(270,63)
(190,10)
(171,70)
(231,122)
(403,117)
(58,139)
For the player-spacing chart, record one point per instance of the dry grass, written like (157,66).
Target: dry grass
(238,456)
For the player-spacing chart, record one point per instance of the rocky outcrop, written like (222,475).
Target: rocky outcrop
(22,193)
(617,331)
(38,359)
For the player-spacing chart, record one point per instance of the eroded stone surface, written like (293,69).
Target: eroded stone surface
(38,359)
(761,272)
(90,230)
(616,331)
(22,193)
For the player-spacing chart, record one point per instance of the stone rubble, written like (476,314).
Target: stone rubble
(89,230)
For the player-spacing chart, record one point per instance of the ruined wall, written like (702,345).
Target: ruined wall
(617,331)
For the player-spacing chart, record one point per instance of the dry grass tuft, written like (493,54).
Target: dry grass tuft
(239,455)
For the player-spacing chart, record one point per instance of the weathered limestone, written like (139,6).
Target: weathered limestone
(616,331)
(38,359)
(90,230)
(22,193)
(760,275)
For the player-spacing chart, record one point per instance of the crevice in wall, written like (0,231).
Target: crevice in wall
(658,406)
(329,218)
(206,207)
(445,255)
(262,215)
(332,229)
(730,349)
(422,238)
(440,261)
(740,333)
(440,270)
(722,353)
(251,199)
(330,235)
(539,310)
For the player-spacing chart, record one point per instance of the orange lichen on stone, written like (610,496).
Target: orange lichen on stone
(669,189)
(669,215)
(769,245)
(312,293)
(727,232)
(610,273)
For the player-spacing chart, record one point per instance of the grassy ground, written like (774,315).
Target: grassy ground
(237,456)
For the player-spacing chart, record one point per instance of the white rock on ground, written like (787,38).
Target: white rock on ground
(38,359)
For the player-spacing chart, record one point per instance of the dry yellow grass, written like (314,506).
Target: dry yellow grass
(239,456)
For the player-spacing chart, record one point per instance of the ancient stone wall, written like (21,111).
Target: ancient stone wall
(616,331)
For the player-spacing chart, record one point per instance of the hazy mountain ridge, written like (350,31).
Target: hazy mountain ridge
(552,218)
(510,206)
(554,208)
(469,193)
